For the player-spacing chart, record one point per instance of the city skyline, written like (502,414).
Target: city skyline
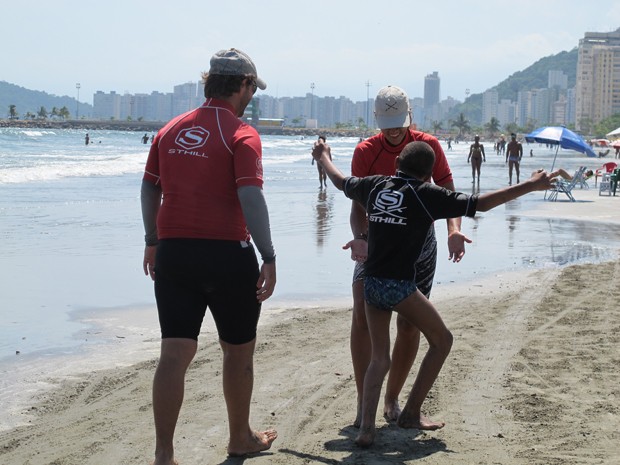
(327,48)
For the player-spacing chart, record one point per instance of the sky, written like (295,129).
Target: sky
(348,48)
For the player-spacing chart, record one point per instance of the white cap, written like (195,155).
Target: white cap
(392,108)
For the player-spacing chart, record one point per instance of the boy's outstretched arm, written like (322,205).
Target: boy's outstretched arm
(320,153)
(540,181)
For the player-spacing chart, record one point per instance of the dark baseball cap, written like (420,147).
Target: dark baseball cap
(234,62)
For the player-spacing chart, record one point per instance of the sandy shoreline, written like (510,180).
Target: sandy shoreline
(532,379)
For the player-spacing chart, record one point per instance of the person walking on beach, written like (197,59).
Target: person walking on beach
(401,210)
(514,153)
(322,175)
(207,167)
(377,155)
(87,139)
(477,156)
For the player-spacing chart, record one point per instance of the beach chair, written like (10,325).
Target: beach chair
(566,187)
(582,179)
(606,168)
(605,186)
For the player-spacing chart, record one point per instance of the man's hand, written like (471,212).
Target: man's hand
(148,264)
(266,281)
(456,245)
(544,181)
(359,249)
(318,150)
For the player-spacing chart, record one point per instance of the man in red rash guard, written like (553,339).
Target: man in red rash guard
(377,155)
(201,199)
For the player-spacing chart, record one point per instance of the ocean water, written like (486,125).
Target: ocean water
(72,236)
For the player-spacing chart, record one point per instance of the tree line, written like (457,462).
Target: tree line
(493,127)
(43,114)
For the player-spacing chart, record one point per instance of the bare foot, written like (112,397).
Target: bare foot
(391,410)
(419,422)
(366,437)
(258,442)
(173,462)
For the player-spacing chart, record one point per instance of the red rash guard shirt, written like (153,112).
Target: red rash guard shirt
(200,159)
(375,156)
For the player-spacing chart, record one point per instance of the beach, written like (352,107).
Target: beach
(532,379)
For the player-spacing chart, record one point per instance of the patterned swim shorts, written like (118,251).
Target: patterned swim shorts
(424,266)
(385,294)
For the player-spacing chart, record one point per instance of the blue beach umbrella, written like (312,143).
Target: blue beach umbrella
(561,137)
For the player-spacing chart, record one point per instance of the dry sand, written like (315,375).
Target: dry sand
(532,379)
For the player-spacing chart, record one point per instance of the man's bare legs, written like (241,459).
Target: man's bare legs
(238,381)
(360,345)
(322,176)
(517,170)
(420,311)
(403,355)
(168,391)
(379,329)
(512,164)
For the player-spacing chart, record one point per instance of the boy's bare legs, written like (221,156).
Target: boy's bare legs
(421,312)
(238,382)
(403,355)
(168,391)
(379,328)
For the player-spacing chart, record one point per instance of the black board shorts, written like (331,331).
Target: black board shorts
(192,275)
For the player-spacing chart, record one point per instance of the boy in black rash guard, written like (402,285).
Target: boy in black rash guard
(400,211)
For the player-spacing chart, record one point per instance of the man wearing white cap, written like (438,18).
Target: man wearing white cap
(201,194)
(377,155)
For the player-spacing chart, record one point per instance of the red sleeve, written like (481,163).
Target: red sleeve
(441,170)
(151,171)
(247,153)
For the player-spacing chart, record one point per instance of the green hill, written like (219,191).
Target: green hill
(26,100)
(532,77)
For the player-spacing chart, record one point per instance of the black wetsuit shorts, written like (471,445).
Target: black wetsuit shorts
(192,275)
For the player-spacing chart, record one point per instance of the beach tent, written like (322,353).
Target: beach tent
(614,134)
(562,137)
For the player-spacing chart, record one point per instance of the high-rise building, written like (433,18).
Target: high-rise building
(490,100)
(506,112)
(187,96)
(597,91)
(106,106)
(431,90)
(557,78)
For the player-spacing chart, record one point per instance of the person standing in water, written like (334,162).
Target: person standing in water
(477,156)
(322,175)
(514,153)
